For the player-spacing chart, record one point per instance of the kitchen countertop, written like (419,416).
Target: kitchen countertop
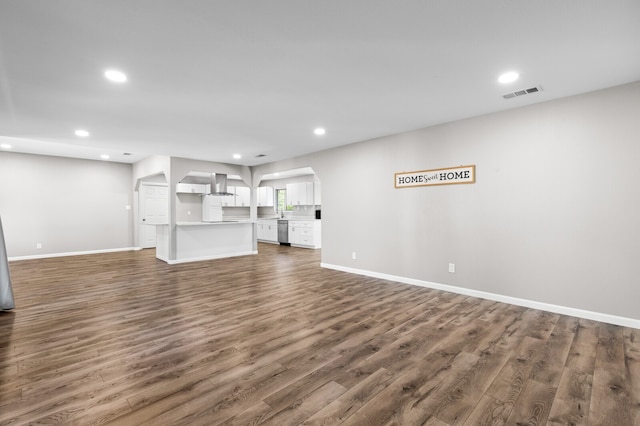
(224,222)
(296,219)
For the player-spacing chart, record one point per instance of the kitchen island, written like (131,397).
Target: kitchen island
(195,241)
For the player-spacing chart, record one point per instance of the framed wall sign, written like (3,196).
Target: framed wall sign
(447,176)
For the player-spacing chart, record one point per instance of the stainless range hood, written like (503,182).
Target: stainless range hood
(219,184)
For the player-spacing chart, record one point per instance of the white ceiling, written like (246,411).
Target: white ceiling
(210,78)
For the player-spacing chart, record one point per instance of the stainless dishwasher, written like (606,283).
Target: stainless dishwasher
(283,232)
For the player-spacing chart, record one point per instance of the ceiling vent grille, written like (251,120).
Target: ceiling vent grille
(522,92)
(261,155)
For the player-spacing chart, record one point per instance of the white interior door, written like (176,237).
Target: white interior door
(154,208)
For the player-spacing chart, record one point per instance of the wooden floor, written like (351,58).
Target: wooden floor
(274,339)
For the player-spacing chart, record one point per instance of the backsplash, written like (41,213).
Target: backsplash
(235,213)
(302,212)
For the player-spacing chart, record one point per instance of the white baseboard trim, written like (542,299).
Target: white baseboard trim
(72,253)
(199,259)
(564,310)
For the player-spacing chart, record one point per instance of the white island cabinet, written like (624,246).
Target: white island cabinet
(195,241)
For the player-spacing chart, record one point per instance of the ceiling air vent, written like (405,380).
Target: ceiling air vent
(522,92)
(261,155)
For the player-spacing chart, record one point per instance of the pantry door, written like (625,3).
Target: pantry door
(154,208)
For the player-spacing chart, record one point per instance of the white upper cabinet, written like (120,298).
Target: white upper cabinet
(317,199)
(191,188)
(243,196)
(265,196)
(293,194)
(229,200)
(300,194)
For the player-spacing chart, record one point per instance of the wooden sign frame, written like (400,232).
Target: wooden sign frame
(435,177)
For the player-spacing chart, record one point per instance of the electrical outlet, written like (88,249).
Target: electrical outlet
(38,245)
(452,268)
(353,255)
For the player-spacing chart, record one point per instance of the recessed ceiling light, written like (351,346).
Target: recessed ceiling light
(5,146)
(81,133)
(105,156)
(276,174)
(237,156)
(319,131)
(115,76)
(508,77)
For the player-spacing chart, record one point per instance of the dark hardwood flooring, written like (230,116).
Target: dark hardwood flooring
(274,339)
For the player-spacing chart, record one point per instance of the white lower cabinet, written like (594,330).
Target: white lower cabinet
(267,231)
(305,233)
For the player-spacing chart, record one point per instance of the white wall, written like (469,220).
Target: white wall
(67,205)
(553,218)
(188,208)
